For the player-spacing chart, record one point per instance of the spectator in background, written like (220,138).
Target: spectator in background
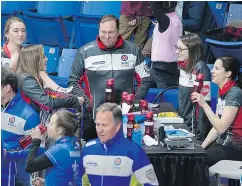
(60,160)
(191,63)
(17,118)
(111,149)
(224,141)
(31,62)
(135,19)
(14,37)
(166,33)
(197,17)
(108,57)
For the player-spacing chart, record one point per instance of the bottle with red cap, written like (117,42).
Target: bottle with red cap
(130,125)
(149,124)
(124,95)
(27,140)
(143,104)
(198,84)
(197,87)
(129,101)
(110,91)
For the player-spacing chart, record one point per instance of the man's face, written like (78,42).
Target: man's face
(105,126)
(108,33)
(5,94)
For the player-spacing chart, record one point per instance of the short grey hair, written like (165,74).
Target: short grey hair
(111,107)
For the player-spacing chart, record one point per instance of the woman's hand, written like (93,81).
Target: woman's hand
(198,98)
(35,133)
(81,100)
(38,182)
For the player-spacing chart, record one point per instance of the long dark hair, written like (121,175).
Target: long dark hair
(195,49)
(230,63)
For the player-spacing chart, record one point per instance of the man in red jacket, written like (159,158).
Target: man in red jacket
(135,19)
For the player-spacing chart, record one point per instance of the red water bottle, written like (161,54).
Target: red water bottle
(143,106)
(130,125)
(149,124)
(198,84)
(129,101)
(197,87)
(124,95)
(110,91)
(27,140)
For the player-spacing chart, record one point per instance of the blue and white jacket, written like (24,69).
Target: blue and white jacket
(114,162)
(18,118)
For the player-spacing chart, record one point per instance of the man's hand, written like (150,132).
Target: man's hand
(133,22)
(38,182)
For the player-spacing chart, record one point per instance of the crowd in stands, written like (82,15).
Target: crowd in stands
(178,53)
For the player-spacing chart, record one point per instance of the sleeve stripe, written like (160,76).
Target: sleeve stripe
(52,159)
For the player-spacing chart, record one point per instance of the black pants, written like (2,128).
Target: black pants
(216,152)
(165,74)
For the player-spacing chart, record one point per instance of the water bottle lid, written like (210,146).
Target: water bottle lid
(130,97)
(143,103)
(42,128)
(110,82)
(149,114)
(125,93)
(131,116)
(124,97)
(200,77)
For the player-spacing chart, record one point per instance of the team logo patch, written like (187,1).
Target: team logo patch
(12,119)
(150,174)
(117,161)
(124,57)
(205,90)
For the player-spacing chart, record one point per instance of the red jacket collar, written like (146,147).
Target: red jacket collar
(5,48)
(226,87)
(119,43)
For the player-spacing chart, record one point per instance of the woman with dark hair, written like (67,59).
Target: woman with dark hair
(224,141)
(191,63)
(60,160)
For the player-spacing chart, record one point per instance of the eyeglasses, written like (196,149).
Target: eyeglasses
(180,49)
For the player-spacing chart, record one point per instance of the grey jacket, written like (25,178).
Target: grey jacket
(94,65)
(34,91)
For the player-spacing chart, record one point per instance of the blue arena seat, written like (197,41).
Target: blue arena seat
(65,62)
(52,53)
(167,95)
(220,48)
(46,29)
(85,29)
(102,8)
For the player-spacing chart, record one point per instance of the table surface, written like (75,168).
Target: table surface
(159,149)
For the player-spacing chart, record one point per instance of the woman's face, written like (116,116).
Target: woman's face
(45,59)
(16,34)
(219,74)
(182,51)
(52,128)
